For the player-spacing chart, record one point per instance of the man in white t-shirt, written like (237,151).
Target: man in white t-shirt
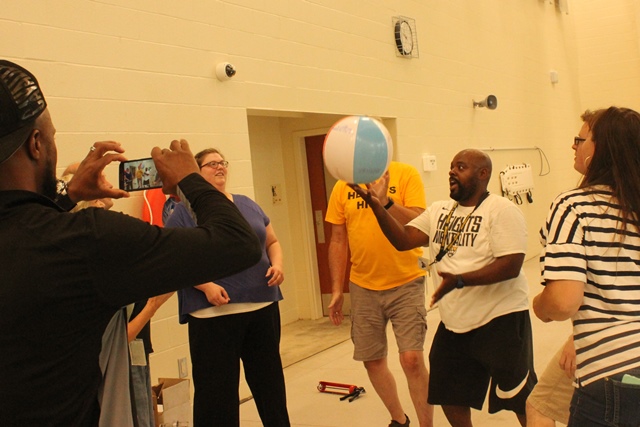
(477,243)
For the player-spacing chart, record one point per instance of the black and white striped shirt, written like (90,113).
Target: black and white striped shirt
(583,242)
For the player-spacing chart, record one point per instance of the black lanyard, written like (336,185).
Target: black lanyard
(445,230)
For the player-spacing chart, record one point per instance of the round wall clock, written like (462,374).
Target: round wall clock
(404,37)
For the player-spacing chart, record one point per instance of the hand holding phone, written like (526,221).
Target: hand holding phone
(139,174)
(88,182)
(174,164)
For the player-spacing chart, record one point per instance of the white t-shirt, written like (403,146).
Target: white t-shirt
(495,229)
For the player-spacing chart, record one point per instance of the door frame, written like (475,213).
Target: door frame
(306,217)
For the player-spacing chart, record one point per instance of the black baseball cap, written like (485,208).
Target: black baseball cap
(21,102)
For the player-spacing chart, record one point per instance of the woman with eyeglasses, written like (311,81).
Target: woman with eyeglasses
(551,397)
(591,269)
(235,318)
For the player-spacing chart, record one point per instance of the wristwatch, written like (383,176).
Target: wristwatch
(62,196)
(459,282)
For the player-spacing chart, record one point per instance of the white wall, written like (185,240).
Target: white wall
(141,72)
(609,52)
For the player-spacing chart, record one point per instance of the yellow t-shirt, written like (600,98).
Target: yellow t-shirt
(376,264)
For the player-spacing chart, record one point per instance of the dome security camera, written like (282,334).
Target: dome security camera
(224,71)
(491,102)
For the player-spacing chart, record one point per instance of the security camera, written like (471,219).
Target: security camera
(225,70)
(491,102)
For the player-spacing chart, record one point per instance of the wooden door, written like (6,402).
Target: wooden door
(320,186)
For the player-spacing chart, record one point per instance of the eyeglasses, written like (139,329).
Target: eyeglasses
(577,140)
(214,164)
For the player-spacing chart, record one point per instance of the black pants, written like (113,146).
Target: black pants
(217,346)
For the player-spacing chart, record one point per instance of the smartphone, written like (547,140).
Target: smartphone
(140,174)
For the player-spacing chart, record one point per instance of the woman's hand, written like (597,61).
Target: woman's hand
(276,274)
(568,358)
(216,294)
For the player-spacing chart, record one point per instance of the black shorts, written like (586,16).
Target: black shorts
(500,352)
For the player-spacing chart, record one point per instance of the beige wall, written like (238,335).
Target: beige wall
(142,72)
(609,56)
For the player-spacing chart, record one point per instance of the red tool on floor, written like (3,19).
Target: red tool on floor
(349,391)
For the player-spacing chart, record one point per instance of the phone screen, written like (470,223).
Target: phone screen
(140,174)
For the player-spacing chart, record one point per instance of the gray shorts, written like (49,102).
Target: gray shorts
(371,310)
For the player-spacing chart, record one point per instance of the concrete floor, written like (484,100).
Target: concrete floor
(310,408)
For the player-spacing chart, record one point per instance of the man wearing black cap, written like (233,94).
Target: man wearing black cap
(64,275)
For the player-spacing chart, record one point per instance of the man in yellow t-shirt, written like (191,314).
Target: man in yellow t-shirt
(384,284)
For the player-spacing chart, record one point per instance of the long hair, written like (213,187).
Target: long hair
(616,159)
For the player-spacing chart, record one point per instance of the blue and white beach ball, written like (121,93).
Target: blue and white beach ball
(357,149)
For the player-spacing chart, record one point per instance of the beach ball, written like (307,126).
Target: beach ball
(357,149)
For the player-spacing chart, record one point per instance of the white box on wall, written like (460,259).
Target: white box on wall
(429,163)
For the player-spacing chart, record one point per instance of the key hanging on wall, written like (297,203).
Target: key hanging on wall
(517,180)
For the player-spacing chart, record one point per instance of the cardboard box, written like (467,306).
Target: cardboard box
(171,401)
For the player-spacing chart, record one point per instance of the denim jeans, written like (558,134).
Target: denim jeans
(141,380)
(607,402)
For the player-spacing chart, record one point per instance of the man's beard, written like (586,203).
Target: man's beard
(50,181)
(464,192)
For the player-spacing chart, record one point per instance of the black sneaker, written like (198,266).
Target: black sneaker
(394,423)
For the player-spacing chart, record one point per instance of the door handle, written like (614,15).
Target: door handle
(319,226)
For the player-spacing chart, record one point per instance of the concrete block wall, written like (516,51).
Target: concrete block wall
(142,72)
(609,52)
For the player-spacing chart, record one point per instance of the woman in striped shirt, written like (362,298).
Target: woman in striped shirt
(591,269)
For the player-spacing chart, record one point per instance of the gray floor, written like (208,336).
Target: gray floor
(306,338)
(308,407)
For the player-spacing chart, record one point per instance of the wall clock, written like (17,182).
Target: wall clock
(406,39)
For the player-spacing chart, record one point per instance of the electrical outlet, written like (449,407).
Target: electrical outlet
(429,163)
(183,371)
